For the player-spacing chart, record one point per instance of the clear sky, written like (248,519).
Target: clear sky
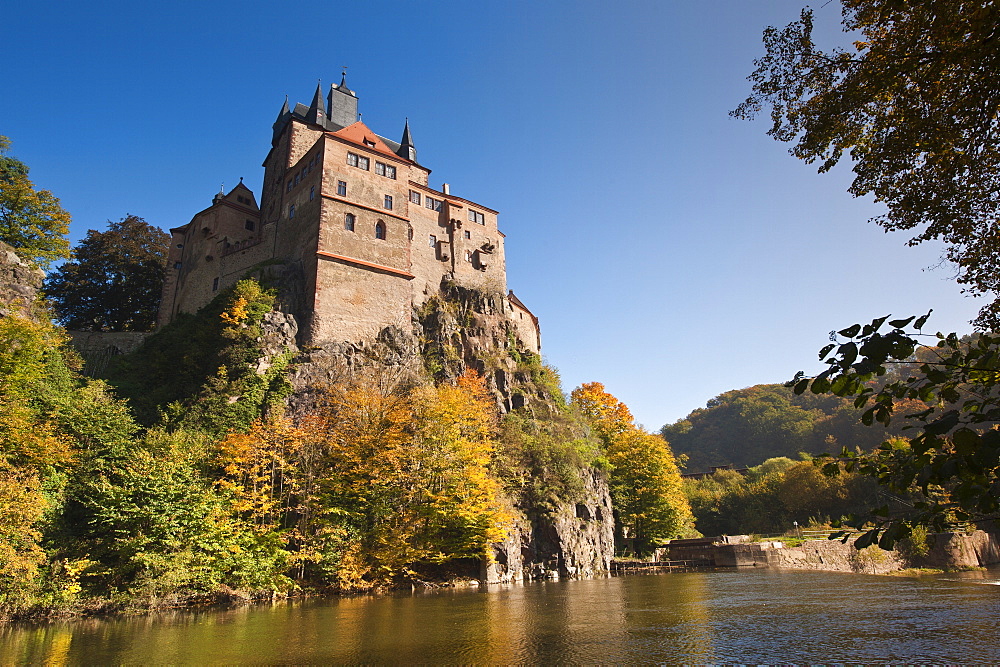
(670,251)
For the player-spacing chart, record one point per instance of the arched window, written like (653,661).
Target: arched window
(349,222)
(291,211)
(380,230)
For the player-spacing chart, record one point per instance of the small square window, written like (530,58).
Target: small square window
(388,202)
(468,234)
(432,241)
(177,265)
(415,197)
(249,225)
(342,188)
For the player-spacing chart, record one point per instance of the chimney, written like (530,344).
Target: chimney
(445,188)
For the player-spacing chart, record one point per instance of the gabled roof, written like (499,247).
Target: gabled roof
(359,134)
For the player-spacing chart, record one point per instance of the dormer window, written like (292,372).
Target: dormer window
(368,142)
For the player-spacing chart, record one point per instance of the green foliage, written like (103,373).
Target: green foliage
(542,462)
(200,370)
(31,221)
(773,495)
(913,104)
(115,279)
(156,527)
(746,426)
(949,405)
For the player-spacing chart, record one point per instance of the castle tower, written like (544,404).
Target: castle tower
(352,215)
(342,103)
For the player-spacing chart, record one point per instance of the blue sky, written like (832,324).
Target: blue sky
(670,251)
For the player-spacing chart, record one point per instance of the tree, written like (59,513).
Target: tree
(645,482)
(115,279)
(31,221)
(915,106)
(951,461)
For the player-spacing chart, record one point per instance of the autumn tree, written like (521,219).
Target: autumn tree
(645,482)
(914,103)
(115,279)
(31,221)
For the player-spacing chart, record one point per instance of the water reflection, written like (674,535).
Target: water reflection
(745,616)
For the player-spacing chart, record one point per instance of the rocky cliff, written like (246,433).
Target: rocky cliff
(19,284)
(461,329)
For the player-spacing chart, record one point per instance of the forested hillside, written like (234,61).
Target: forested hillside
(745,427)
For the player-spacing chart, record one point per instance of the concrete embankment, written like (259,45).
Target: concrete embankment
(944,551)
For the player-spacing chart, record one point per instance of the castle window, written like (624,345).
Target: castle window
(342,188)
(363,162)
(380,230)
(298,177)
(349,222)
(388,202)
(432,241)
(291,211)
(415,197)
(433,204)
(289,189)
(215,285)
(352,159)
(249,225)
(468,234)
(386,170)
(476,216)
(177,265)
(312,192)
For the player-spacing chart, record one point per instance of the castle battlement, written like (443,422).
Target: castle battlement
(352,216)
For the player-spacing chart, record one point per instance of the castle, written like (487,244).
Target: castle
(350,215)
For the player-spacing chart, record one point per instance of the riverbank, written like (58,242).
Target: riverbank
(940,552)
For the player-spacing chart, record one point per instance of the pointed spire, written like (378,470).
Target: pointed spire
(343,83)
(317,110)
(284,108)
(406,148)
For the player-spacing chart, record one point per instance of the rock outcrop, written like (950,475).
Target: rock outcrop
(575,540)
(19,284)
(461,329)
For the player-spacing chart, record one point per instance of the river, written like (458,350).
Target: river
(755,616)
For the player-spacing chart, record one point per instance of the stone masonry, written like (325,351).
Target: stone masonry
(348,219)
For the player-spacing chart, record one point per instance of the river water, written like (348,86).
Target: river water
(755,616)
